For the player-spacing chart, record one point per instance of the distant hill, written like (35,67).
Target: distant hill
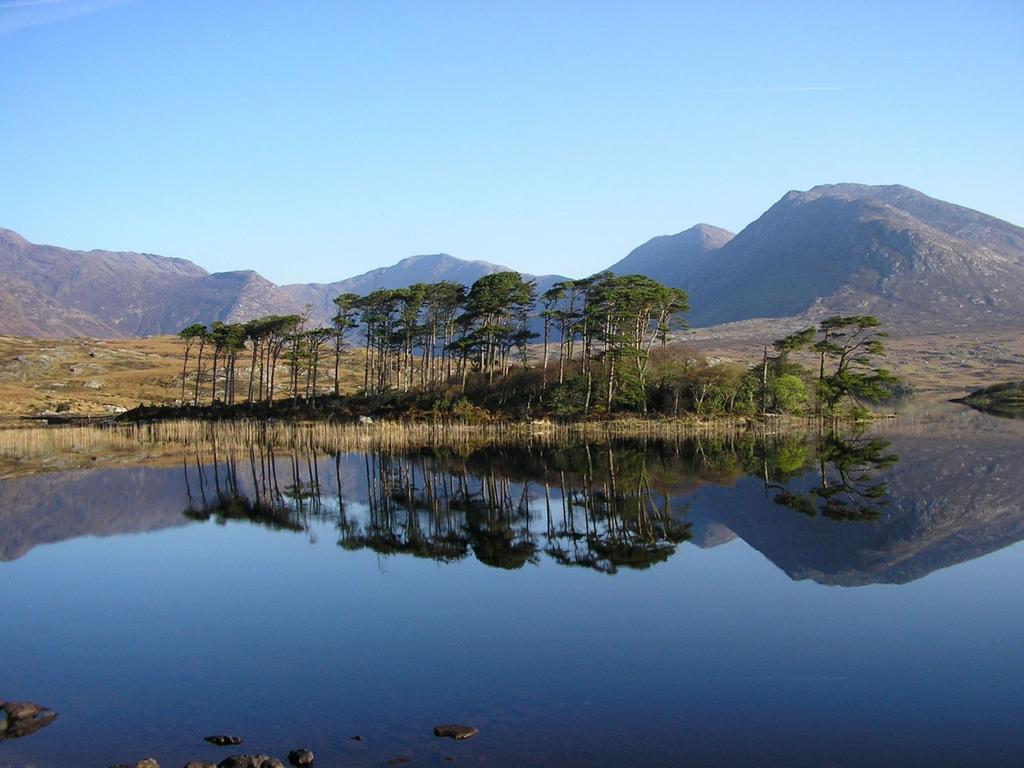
(415,269)
(915,261)
(46,291)
(55,292)
(672,259)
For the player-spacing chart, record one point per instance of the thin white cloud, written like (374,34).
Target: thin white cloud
(19,14)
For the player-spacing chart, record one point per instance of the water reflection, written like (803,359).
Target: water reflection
(601,507)
(838,509)
(849,486)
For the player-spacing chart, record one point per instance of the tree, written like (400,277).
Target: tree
(280,332)
(847,347)
(315,340)
(626,315)
(497,314)
(344,321)
(194,333)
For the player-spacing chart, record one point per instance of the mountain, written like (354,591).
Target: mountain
(918,263)
(672,259)
(914,261)
(55,292)
(52,292)
(415,269)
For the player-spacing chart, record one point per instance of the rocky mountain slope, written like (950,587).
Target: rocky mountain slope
(915,261)
(672,259)
(55,292)
(52,292)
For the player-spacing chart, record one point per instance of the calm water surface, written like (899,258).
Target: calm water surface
(795,601)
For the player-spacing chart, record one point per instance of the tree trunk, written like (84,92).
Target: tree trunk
(184,372)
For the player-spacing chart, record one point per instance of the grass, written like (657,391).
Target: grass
(97,377)
(29,449)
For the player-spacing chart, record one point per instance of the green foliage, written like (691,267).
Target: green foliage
(1005,399)
(847,349)
(566,400)
(789,393)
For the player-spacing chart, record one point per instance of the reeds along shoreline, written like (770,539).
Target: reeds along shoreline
(44,442)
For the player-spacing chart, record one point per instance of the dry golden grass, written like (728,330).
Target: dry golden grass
(30,449)
(395,436)
(42,375)
(39,375)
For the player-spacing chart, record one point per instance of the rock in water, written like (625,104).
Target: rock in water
(20,718)
(300,757)
(22,710)
(457,732)
(199,764)
(224,741)
(148,762)
(250,761)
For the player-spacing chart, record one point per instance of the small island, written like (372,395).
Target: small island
(598,348)
(1005,399)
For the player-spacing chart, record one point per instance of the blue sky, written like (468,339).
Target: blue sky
(316,140)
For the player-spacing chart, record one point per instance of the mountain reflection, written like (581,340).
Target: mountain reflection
(602,507)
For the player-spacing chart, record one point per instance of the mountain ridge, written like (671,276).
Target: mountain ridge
(915,261)
(850,248)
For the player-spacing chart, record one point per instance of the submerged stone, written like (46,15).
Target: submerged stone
(250,761)
(457,732)
(20,718)
(221,740)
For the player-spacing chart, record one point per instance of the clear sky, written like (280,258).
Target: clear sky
(316,140)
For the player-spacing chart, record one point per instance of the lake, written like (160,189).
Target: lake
(797,600)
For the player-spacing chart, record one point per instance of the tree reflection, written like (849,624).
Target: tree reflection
(603,507)
(848,486)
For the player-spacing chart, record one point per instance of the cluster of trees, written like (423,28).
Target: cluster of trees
(430,336)
(583,347)
(266,344)
(845,350)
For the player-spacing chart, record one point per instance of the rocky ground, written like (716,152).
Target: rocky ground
(86,376)
(931,362)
